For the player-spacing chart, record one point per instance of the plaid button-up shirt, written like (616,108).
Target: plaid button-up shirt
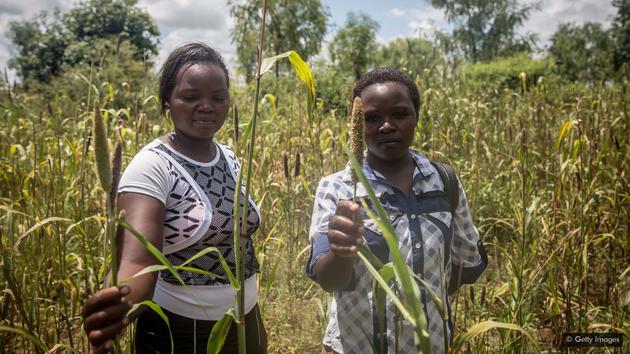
(432,239)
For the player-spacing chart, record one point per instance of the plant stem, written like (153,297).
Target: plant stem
(240,323)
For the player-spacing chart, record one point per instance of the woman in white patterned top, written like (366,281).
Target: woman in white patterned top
(435,232)
(179,192)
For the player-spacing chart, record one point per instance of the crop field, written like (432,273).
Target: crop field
(545,167)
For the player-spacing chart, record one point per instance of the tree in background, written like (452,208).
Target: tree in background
(583,52)
(412,55)
(621,32)
(486,29)
(354,45)
(113,19)
(45,46)
(298,25)
(40,43)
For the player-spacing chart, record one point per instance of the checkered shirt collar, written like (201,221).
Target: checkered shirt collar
(423,168)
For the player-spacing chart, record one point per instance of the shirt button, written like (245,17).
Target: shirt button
(418,245)
(413,216)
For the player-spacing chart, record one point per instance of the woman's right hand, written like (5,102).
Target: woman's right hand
(346,230)
(104,317)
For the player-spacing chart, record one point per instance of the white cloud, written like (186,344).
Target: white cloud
(180,21)
(381,40)
(27,8)
(396,12)
(217,39)
(207,14)
(428,18)
(552,13)
(425,21)
(20,10)
(420,22)
(183,21)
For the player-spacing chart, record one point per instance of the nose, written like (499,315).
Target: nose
(206,106)
(387,126)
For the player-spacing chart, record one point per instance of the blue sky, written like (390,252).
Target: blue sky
(209,21)
(396,17)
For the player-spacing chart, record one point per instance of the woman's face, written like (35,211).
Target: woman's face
(200,100)
(390,120)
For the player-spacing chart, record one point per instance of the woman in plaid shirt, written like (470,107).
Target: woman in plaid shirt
(438,240)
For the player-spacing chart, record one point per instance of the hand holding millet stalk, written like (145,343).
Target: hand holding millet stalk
(345,230)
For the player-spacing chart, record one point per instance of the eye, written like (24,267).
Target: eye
(189,98)
(371,118)
(401,114)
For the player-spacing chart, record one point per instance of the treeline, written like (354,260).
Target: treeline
(485,43)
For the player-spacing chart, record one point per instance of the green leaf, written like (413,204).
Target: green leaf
(159,267)
(363,249)
(410,290)
(224,264)
(387,274)
(219,332)
(399,305)
(154,251)
(301,69)
(246,134)
(434,297)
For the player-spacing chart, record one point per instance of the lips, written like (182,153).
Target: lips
(387,141)
(204,120)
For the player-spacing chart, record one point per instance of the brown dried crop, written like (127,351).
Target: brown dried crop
(356,134)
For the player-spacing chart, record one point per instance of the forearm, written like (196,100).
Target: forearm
(332,272)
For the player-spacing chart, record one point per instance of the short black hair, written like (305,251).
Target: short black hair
(186,55)
(381,75)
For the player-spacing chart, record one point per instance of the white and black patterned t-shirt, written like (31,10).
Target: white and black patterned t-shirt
(199,201)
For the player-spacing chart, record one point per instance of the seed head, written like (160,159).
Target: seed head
(296,169)
(285,162)
(356,134)
(235,121)
(101,151)
(116,162)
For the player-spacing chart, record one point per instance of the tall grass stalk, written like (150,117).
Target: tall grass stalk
(238,227)
(106,178)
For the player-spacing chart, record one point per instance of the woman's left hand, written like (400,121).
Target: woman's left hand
(105,316)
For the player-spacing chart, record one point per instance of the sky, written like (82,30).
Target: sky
(209,21)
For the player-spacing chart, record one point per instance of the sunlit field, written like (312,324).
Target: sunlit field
(544,164)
